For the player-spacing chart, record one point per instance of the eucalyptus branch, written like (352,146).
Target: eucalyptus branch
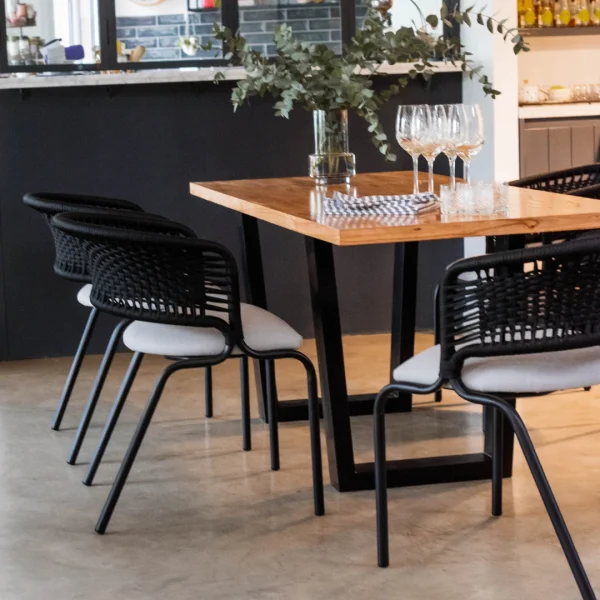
(315,77)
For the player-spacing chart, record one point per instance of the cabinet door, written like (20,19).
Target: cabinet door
(583,151)
(534,149)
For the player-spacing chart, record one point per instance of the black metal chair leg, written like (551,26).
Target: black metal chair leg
(111,422)
(315,438)
(436,330)
(533,461)
(245,389)
(208,392)
(134,446)
(587,389)
(74,372)
(90,407)
(381,503)
(497,460)
(273,415)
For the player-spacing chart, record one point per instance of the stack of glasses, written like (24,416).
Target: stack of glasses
(454,129)
(480,198)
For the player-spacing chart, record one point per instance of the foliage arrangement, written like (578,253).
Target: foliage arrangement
(315,77)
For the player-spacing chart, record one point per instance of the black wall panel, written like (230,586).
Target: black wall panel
(145,143)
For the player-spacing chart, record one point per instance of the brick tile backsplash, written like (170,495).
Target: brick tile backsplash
(160,33)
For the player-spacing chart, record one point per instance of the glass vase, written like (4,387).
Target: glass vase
(332,162)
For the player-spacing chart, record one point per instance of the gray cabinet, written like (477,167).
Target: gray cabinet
(553,144)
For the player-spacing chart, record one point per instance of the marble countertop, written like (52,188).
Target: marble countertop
(76,79)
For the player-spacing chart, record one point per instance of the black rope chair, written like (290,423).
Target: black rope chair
(183,298)
(500,331)
(70,263)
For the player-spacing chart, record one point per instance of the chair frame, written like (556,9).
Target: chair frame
(120,262)
(69,263)
(555,302)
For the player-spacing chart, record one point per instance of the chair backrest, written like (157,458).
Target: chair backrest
(520,302)
(69,260)
(564,181)
(155,276)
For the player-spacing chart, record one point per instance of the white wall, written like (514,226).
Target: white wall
(405,13)
(499,158)
(127,8)
(561,61)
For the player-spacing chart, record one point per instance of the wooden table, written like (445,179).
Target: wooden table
(295,204)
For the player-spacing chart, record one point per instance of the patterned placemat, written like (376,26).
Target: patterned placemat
(407,204)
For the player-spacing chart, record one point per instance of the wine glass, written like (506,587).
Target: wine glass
(434,139)
(405,134)
(472,136)
(452,138)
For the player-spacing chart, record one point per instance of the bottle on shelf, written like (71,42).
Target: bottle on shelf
(546,14)
(575,21)
(584,13)
(594,8)
(528,15)
(562,13)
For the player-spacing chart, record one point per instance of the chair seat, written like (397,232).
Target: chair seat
(263,332)
(83,295)
(525,373)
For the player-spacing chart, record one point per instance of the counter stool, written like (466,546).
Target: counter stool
(70,263)
(523,322)
(183,297)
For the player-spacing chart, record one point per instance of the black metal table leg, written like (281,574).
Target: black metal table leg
(328,337)
(404,309)
(255,294)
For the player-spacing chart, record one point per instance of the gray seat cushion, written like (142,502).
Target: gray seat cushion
(263,331)
(525,373)
(83,295)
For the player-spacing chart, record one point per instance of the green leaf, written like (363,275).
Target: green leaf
(490,25)
(433,21)
(467,19)
(480,18)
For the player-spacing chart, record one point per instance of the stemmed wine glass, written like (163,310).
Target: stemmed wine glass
(406,118)
(471,138)
(430,132)
(452,138)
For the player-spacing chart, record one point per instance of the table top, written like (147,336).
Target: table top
(295,204)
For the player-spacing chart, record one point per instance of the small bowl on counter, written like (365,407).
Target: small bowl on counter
(559,94)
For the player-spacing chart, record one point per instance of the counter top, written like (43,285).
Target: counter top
(77,79)
(560,111)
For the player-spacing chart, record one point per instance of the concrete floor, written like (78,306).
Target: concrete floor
(200,519)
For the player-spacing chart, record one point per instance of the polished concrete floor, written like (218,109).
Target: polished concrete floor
(200,519)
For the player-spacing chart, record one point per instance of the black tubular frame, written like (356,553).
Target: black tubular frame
(508,309)
(160,278)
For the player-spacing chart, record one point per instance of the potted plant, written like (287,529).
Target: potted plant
(315,77)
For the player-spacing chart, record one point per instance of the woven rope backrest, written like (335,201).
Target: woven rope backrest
(157,277)
(519,302)
(69,259)
(562,182)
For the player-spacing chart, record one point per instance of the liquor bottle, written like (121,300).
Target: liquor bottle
(528,15)
(546,14)
(584,13)
(594,12)
(574,10)
(562,14)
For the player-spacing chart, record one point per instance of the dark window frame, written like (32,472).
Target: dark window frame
(107,22)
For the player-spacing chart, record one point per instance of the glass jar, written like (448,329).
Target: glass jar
(584,13)
(574,12)
(332,162)
(12,48)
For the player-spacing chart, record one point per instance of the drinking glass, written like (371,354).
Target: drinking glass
(472,136)
(405,134)
(452,138)
(430,131)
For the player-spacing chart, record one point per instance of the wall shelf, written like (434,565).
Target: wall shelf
(559,31)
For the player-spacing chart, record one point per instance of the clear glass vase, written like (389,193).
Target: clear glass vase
(332,162)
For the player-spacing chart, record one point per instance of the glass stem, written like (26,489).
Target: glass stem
(467,169)
(430,187)
(415,158)
(452,163)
